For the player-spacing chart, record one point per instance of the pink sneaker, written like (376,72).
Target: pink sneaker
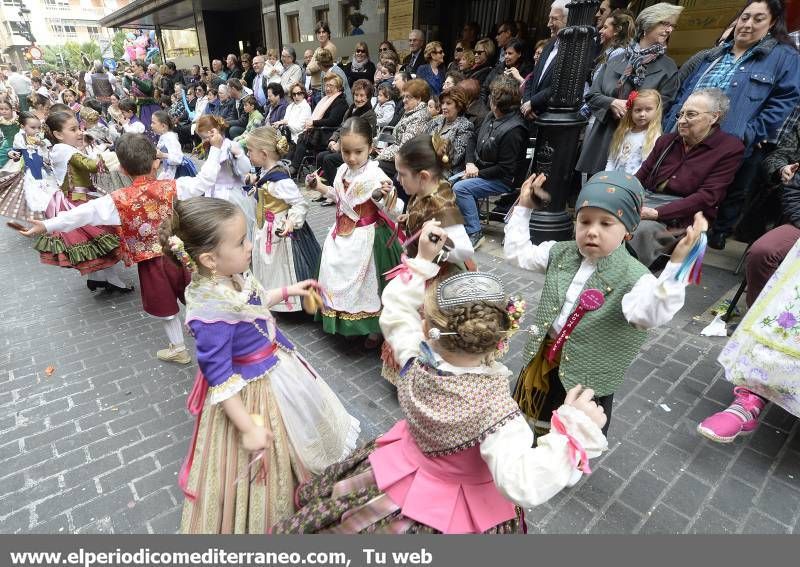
(740,418)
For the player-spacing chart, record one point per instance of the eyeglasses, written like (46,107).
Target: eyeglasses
(502,31)
(297,93)
(479,52)
(438,52)
(384,49)
(459,49)
(361,50)
(690,115)
(668,25)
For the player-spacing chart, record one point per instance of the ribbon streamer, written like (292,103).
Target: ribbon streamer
(692,266)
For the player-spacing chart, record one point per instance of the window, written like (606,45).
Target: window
(293,27)
(321,14)
(93,30)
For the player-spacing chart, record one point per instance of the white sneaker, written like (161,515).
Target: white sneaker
(174,353)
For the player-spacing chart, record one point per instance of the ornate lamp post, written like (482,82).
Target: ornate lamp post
(560,126)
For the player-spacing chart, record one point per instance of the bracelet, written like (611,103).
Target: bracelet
(285,294)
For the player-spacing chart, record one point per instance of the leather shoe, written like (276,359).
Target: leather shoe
(111,287)
(95,284)
(716,240)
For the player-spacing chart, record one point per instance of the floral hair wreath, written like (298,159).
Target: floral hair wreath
(177,248)
(631,98)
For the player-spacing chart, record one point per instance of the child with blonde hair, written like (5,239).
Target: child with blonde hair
(285,249)
(637,132)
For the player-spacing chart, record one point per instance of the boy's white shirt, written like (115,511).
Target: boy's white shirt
(651,302)
(102,211)
(525,475)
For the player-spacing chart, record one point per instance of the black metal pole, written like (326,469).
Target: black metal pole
(559,127)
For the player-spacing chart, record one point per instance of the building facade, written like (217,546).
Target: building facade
(51,22)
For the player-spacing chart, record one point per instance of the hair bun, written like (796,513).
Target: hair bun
(281,145)
(442,148)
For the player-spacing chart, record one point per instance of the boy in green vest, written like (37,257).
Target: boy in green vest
(598,301)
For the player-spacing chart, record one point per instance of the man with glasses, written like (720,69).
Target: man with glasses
(537,88)
(259,81)
(412,61)
(505,33)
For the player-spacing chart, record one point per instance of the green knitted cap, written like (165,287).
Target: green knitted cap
(616,192)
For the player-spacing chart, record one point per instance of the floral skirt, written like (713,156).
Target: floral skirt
(87,249)
(386,257)
(251,506)
(323,512)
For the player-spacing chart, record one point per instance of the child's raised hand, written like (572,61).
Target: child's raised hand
(431,240)
(686,243)
(531,195)
(581,398)
(35,230)
(215,138)
(14,155)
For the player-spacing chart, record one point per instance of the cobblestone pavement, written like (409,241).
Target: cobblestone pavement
(96,445)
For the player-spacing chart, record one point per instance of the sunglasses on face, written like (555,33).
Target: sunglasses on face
(459,49)
(479,52)
(361,51)
(297,93)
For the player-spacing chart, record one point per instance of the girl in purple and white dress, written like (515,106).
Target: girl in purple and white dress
(266,420)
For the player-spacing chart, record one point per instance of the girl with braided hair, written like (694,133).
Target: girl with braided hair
(285,249)
(421,164)
(462,459)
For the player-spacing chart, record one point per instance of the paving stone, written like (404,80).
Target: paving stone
(598,489)
(758,523)
(571,518)
(711,521)
(663,520)
(667,462)
(751,467)
(733,498)
(788,469)
(617,519)
(127,473)
(767,440)
(778,501)
(642,491)
(709,464)
(624,459)
(686,495)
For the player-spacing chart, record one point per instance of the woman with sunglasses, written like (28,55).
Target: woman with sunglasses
(387,48)
(298,112)
(433,72)
(360,65)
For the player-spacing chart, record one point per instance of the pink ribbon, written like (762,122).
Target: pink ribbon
(577,454)
(401,270)
(589,300)
(269,217)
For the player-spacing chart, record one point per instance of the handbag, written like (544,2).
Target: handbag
(186,168)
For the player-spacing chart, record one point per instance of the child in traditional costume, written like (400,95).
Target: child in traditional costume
(98,141)
(462,460)
(168,147)
(420,164)
(9,126)
(234,167)
(598,301)
(360,247)
(258,402)
(285,250)
(131,124)
(92,250)
(762,357)
(136,212)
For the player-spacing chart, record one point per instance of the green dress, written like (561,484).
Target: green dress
(9,130)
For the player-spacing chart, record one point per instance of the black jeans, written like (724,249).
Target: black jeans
(329,162)
(557,394)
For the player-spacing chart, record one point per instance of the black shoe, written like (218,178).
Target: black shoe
(320,199)
(716,240)
(95,284)
(111,287)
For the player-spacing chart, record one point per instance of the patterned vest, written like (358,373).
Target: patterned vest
(603,345)
(448,413)
(367,212)
(142,207)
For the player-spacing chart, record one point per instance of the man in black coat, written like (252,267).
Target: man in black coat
(538,87)
(416,44)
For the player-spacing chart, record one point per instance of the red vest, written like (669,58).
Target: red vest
(142,207)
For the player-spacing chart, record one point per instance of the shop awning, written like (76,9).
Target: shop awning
(167,14)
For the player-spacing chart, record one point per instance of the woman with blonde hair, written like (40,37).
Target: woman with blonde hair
(360,65)
(285,250)
(484,57)
(433,72)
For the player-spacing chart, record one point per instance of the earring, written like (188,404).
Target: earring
(214,276)
(628,236)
